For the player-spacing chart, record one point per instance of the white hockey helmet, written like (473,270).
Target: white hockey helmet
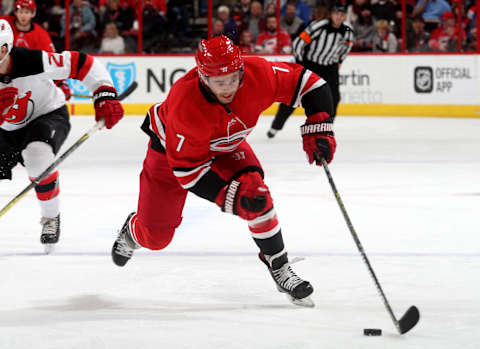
(6,37)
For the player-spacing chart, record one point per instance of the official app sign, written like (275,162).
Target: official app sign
(441,79)
(423,79)
(445,79)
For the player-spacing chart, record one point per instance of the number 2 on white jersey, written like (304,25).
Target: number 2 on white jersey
(180,143)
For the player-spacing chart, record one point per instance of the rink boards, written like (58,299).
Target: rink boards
(398,85)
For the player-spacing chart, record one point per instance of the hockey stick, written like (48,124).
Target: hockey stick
(50,168)
(133,86)
(411,317)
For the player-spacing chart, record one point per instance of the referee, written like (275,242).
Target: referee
(321,48)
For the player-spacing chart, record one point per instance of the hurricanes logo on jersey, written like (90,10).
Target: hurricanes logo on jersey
(18,113)
(236,131)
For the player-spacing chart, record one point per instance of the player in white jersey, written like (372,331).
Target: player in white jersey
(34,120)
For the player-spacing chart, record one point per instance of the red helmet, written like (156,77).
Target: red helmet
(218,56)
(30,4)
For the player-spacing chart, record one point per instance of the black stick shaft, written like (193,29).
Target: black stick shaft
(50,168)
(121,96)
(359,244)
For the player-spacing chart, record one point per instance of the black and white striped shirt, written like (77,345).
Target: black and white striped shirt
(323,44)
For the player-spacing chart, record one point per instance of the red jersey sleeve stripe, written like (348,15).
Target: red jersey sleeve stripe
(189,177)
(80,65)
(156,122)
(308,83)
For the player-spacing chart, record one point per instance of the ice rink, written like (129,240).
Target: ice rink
(410,185)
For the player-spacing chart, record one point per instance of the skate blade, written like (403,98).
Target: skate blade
(49,248)
(306,302)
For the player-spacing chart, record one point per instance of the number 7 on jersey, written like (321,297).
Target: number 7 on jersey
(275,69)
(180,143)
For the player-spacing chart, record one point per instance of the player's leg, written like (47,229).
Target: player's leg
(9,152)
(330,74)
(159,213)
(264,228)
(283,113)
(44,137)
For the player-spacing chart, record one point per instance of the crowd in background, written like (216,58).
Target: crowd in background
(111,26)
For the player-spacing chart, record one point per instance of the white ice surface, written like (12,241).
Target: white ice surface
(410,185)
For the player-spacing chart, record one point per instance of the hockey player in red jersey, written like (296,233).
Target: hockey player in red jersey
(197,144)
(28,34)
(34,120)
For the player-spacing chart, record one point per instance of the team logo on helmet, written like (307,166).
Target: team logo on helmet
(29,4)
(218,56)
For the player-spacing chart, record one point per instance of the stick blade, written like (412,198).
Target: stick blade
(409,319)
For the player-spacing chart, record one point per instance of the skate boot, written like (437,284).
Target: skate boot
(296,289)
(124,245)
(50,233)
(271,133)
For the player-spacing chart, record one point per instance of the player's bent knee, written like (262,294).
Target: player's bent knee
(153,238)
(37,156)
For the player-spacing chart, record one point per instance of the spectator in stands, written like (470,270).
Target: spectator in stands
(472,40)
(237,10)
(302,10)
(431,11)
(123,17)
(153,27)
(112,42)
(291,23)
(26,33)
(178,18)
(384,40)
(384,9)
(471,29)
(247,43)
(417,37)
(230,28)
(270,9)
(364,28)
(218,27)
(267,40)
(254,21)
(82,26)
(445,37)
(245,7)
(49,15)
(6,7)
(398,22)
(321,11)
(354,10)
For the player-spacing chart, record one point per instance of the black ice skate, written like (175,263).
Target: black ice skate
(296,289)
(271,133)
(123,247)
(50,232)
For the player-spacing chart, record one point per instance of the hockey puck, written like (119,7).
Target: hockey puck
(372,332)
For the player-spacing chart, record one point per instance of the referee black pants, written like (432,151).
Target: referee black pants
(329,73)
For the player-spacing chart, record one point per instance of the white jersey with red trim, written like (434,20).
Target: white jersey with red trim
(193,127)
(32,72)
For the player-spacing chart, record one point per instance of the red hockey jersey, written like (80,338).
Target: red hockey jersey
(37,38)
(193,127)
